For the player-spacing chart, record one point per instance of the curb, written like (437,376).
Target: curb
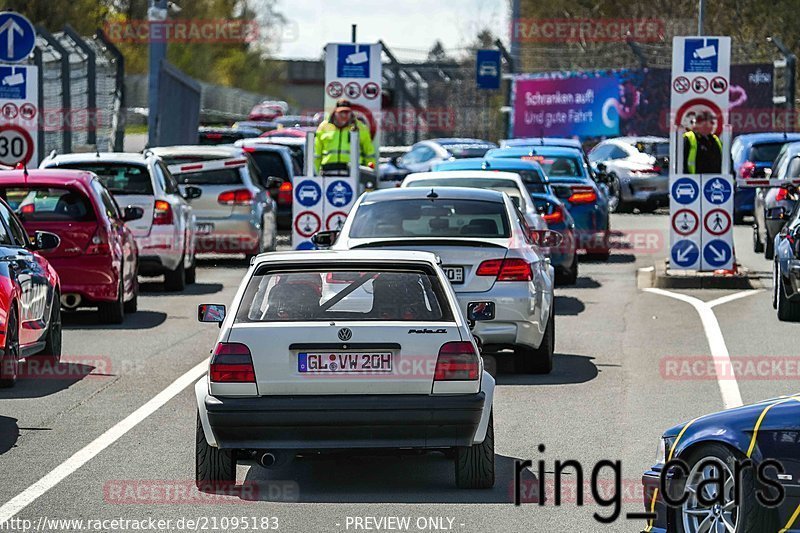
(661,277)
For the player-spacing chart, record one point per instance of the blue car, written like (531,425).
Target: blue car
(751,155)
(715,446)
(574,182)
(786,269)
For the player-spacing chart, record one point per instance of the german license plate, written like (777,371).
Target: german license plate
(344,362)
(205,228)
(454,274)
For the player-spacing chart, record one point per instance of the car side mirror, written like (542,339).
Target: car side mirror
(601,167)
(776,213)
(324,239)
(273,182)
(132,212)
(546,238)
(44,240)
(191,192)
(211,313)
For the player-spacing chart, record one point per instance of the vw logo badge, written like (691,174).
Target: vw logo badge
(345,334)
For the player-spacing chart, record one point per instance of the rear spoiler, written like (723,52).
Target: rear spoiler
(205,166)
(429,242)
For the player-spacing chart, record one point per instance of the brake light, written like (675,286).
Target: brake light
(99,244)
(249,149)
(237,197)
(582,195)
(783,193)
(285,193)
(747,169)
(213,136)
(556,217)
(506,269)
(232,363)
(162,213)
(457,361)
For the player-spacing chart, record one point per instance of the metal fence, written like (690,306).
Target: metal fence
(81,93)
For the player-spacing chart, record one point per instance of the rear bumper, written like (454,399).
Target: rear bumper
(652,190)
(94,278)
(159,251)
(344,421)
(238,233)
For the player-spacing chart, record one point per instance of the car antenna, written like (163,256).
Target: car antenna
(432,195)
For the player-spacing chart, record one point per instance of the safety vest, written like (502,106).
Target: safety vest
(332,145)
(691,158)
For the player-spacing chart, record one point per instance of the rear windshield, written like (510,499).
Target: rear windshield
(559,166)
(459,151)
(222,176)
(430,218)
(765,153)
(270,164)
(330,294)
(48,204)
(119,178)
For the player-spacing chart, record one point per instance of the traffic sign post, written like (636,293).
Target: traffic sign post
(307,210)
(717,232)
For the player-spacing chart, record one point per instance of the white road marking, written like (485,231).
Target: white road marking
(84,455)
(728,386)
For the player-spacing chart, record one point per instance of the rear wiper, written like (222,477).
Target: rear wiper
(344,293)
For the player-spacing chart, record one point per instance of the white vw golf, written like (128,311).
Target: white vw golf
(324,351)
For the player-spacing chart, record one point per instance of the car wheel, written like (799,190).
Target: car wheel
(52,346)
(538,360)
(788,311)
(191,272)
(132,305)
(716,461)
(599,256)
(475,464)
(769,247)
(175,280)
(113,312)
(775,284)
(214,468)
(570,275)
(9,363)
(758,246)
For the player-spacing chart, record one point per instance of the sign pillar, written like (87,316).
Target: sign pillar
(701,205)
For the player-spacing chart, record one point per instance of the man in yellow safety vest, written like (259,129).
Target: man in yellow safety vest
(702,150)
(332,142)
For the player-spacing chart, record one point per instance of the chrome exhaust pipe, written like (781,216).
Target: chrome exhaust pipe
(267,460)
(70,301)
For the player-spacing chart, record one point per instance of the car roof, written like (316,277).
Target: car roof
(643,139)
(541,141)
(220,150)
(47,176)
(328,257)
(495,163)
(753,138)
(447,141)
(263,145)
(477,173)
(534,150)
(100,157)
(448,193)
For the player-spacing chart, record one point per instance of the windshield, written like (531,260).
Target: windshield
(48,204)
(270,164)
(559,166)
(119,178)
(327,294)
(765,152)
(430,218)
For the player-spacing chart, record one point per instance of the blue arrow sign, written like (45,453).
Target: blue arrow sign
(717,253)
(17,37)
(685,191)
(685,253)
(717,191)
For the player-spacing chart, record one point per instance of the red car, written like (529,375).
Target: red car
(97,259)
(30,313)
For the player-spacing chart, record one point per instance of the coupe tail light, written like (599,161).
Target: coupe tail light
(747,169)
(582,195)
(232,363)
(646,171)
(236,197)
(457,361)
(285,193)
(783,193)
(556,217)
(162,213)
(506,269)
(99,244)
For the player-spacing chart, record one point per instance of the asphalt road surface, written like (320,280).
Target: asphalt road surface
(110,433)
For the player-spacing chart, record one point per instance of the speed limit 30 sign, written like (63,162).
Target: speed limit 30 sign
(19,115)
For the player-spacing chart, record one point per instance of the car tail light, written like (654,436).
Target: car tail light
(213,135)
(506,269)
(237,197)
(556,217)
(457,361)
(249,149)
(232,363)
(747,169)
(285,193)
(582,195)
(99,244)
(783,193)
(645,171)
(162,213)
